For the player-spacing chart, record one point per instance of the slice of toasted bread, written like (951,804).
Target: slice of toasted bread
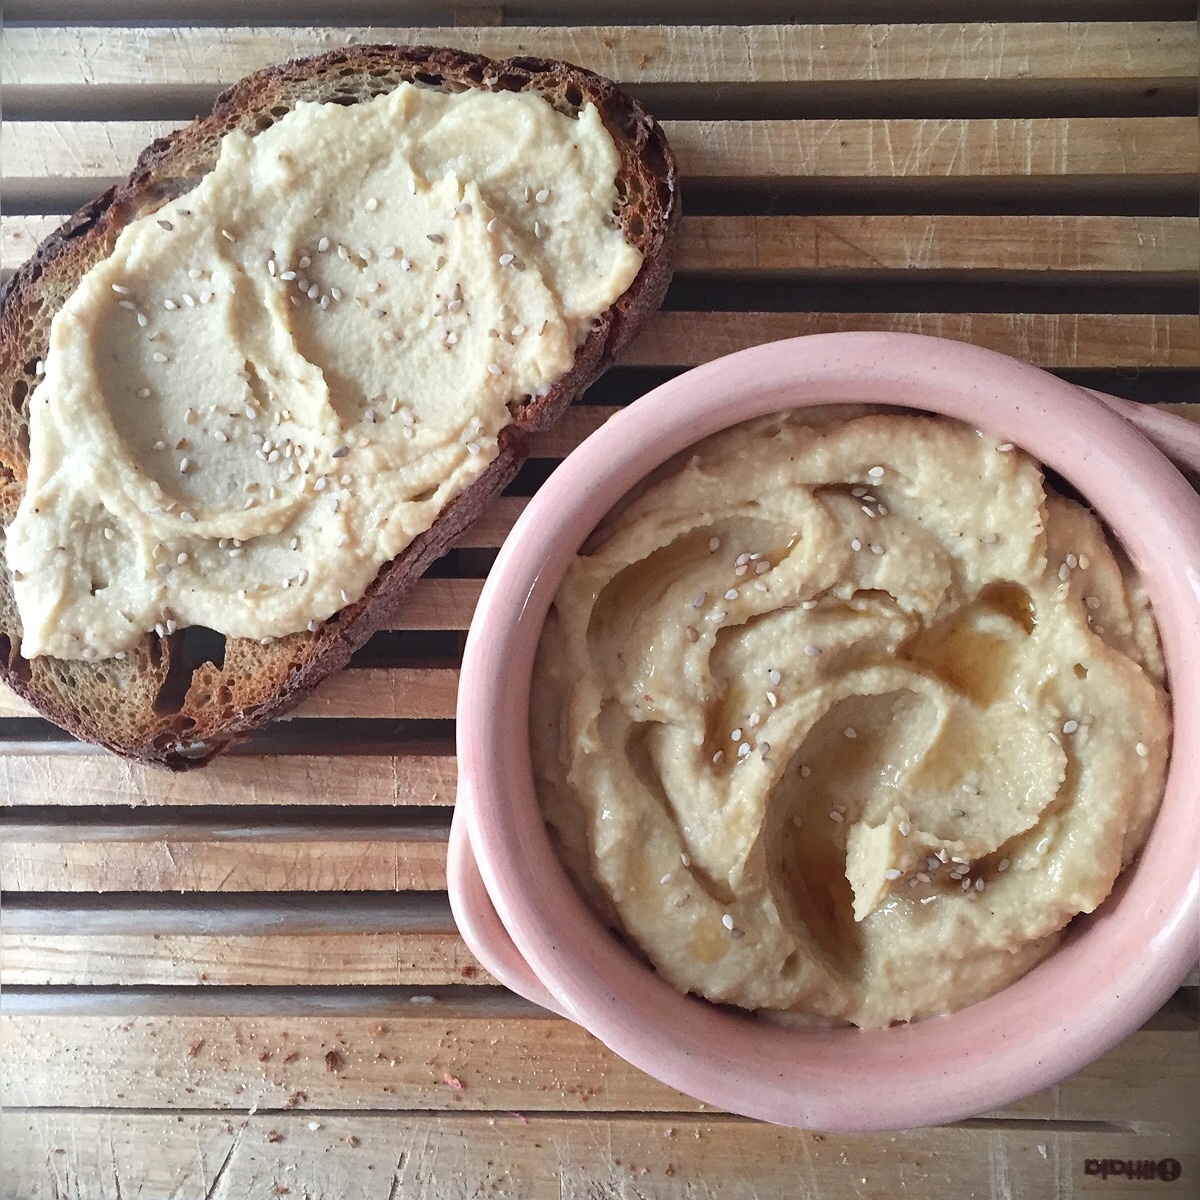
(153,705)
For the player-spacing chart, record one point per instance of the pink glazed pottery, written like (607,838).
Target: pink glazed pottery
(522,918)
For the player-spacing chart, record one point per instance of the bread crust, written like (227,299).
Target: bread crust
(153,706)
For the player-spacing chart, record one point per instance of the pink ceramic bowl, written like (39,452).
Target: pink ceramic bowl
(523,919)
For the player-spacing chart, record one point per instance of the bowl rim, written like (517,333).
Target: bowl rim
(986,1055)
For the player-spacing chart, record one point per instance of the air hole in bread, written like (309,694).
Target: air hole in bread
(19,391)
(203,645)
(428,79)
(574,97)
(190,649)
(263,123)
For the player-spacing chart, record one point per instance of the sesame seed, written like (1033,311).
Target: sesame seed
(341,452)
(313,292)
(472,447)
(762,568)
(1004,447)
(288,276)
(1141,749)
(744,750)
(856,545)
(764,748)
(727,921)
(324,303)
(736,735)
(732,594)
(774,676)
(494,368)
(699,599)
(1092,602)
(542,196)
(493,225)
(716,758)
(537,230)
(506,260)
(182,558)
(517,330)
(160,445)
(159,357)
(966,885)
(1064,572)
(714,544)
(170,304)
(184,463)
(905,828)
(435,238)
(980,884)
(686,859)
(120,289)
(809,605)
(1070,726)
(143,320)
(805,772)
(187,516)
(405,265)
(1043,845)
(125,304)
(39,367)
(876,473)
(143,392)
(834,815)
(772,699)
(754,720)
(850,732)
(1072,561)
(451,338)
(1002,865)
(892,873)
(189,299)
(228,236)
(812,651)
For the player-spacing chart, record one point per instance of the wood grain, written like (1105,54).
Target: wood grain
(929,148)
(211,857)
(1047,247)
(384,1156)
(147,58)
(67,775)
(408,938)
(395,1056)
(1046,339)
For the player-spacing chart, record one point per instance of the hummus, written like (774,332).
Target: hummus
(849,718)
(276,381)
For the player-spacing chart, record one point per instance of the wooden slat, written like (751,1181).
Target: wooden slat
(438,604)
(49,57)
(394,1056)
(208,857)
(93,777)
(989,247)
(406,939)
(1046,339)
(928,148)
(429,1157)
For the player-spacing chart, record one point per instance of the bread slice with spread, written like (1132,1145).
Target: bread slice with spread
(261,385)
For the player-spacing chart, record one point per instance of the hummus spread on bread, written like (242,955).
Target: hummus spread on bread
(276,381)
(849,717)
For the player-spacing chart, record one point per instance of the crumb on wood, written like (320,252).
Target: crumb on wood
(264,1055)
(273,1135)
(378,1029)
(353,1140)
(281,1189)
(195,1048)
(291,1056)
(454,1082)
(294,1099)
(333,1061)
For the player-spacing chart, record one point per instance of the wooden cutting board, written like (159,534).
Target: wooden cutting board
(246,981)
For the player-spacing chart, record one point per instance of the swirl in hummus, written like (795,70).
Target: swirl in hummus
(849,717)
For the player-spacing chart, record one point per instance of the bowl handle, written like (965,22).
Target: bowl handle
(1177,437)
(480,924)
